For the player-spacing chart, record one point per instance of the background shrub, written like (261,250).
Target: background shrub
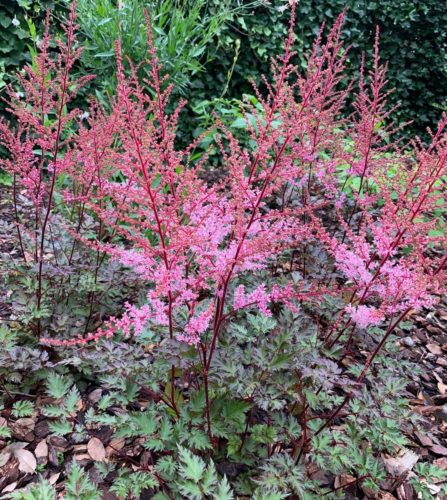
(236,39)
(413,39)
(18,20)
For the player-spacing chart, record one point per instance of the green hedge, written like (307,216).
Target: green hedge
(413,39)
(18,19)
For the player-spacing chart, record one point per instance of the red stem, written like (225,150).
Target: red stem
(55,155)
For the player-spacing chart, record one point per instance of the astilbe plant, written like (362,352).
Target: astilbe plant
(35,145)
(192,242)
(42,141)
(330,206)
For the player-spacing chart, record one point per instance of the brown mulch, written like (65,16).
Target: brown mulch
(8,242)
(424,343)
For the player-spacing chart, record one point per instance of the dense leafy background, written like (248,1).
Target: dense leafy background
(17,18)
(413,40)
(234,40)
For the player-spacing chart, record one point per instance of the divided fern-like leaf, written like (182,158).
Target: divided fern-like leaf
(79,486)
(223,490)
(57,385)
(61,427)
(42,491)
(22,408)
(190,466)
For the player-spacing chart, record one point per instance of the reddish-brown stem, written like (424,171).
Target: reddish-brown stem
(224,289)
(55,158)
(16,214)
(221,300)
(207,394)
(347,485)
(414,212)
(143,170)
(362,375)
(278,91)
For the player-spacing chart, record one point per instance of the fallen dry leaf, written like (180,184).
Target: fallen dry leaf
(10,488)
(83,457)
(344,480)
(439,450)
(441,462)
(54,477)
(386,496)
(405,492)
(434,488)
(115,445)
(426,410)
(423,439)
(58,442)
(95,395)
(96,450)
(4,457)
(10,450)
(27,461)
(9,472)
(434,349)
(16,446)
(41,450)
(399,465)
(79,448)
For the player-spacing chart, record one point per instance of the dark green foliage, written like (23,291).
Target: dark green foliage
(71,295)
(21,22)
(413,38)
(15,34)
(426,474)
(130,485)
(22,409)
(79,485)
(234,41)
(43,490)
(271,382)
